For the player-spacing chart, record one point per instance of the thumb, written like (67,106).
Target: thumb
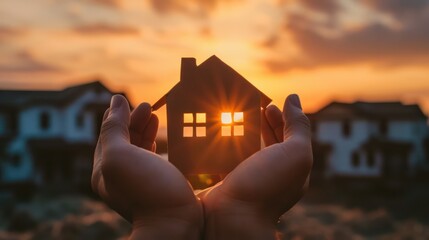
(114,129)
(296,123)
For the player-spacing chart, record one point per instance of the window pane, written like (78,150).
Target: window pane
(201,131)
(226,118)
(188,118)
(226,131)
(355,159)
(45,120)
(238,117)
(238,130)
(201,117)
(188,131)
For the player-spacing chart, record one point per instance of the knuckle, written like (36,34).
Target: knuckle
(109,124)
(302,120)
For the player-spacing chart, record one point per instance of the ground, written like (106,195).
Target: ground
(325,213)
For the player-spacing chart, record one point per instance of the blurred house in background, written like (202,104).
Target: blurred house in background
(47,138)
(380,140)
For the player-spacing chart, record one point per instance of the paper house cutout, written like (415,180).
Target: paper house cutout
(213,118)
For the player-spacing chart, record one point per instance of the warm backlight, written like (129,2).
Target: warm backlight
(188,118)
(232,124)
(238,117)
(201,118)
(194,125)
(188,131)
(239,130)
(201,131)
(226,131)
(226,118)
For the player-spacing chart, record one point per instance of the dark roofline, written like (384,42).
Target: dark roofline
(369,109)
(23,98)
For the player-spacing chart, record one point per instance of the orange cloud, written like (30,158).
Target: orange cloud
(106,29)
(25,62)
(374,43)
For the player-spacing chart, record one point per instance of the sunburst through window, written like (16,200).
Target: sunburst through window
(232,124)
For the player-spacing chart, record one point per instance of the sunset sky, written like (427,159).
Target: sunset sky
(323,50)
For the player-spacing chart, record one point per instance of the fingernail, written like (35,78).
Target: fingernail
(116,102)
(294,99)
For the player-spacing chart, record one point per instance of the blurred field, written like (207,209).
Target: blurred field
(325,213)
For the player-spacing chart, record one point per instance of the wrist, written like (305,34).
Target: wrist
(227,218)
(170,229)
(184,222)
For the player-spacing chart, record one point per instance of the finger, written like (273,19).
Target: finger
(149,134)
(96,167)
(272,132)
(98,150)
(139,119)
(154,147)
(106,113)
(296,123)
(114,129)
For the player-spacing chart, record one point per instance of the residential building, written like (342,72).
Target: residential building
(369,140)
(48,137)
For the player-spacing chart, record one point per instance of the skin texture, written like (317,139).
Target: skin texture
(156,198)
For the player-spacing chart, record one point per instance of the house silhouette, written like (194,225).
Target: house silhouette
(213,116)
(47,137)
(383,141)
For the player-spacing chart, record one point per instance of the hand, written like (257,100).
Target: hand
(249,201)
(141,186)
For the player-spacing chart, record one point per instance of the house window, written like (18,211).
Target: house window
(383,127)
(232,124)
(370,161)
(355,159)
(45,120)
(346,128)
(194,125)
(16,160)
(80,120)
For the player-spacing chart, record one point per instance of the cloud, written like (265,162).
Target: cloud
(9,32)
(26,62)
(399,8)
(328,6)
(193,7)
(374,43)
(108,3)
(105,29)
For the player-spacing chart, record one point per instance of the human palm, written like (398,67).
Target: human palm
(249,201)
(145,189)
(154,195)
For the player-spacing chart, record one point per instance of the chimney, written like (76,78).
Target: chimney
(188,68)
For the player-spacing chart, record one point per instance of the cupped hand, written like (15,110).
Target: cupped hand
(249,201)
(145,189)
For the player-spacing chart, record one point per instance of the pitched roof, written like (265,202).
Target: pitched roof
(214,60)
(379,110)
(21,98)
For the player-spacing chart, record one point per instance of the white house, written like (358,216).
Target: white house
(370,140)
(48,137)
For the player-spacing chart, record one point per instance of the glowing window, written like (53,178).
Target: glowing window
(232,124)
(194,125)
(201,118)
(188,131)
(226,130)
(188,118)
(226,118)
(201,131)
(238,117)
